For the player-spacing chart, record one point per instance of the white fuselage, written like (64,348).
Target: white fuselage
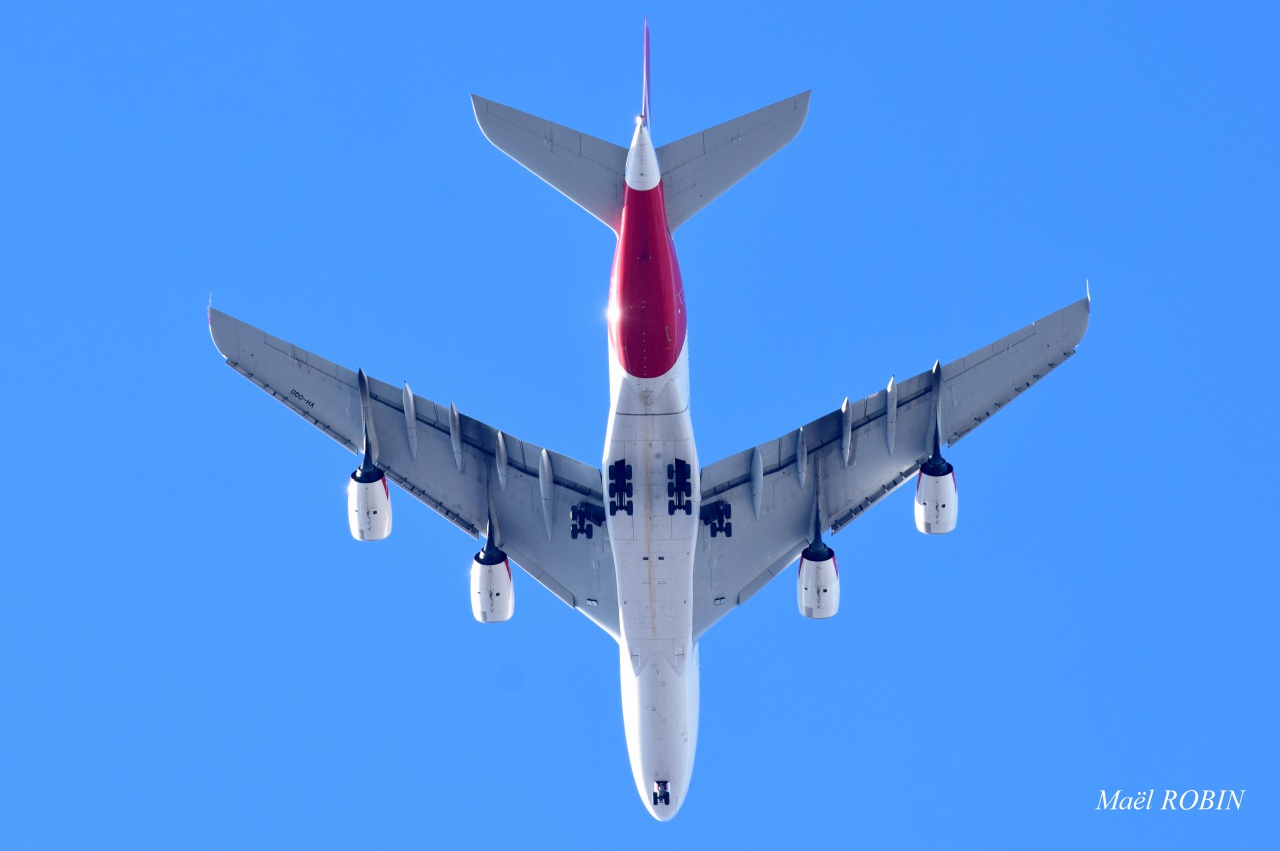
(653,554)
(651,478)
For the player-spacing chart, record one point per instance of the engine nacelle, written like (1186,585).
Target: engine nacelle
(937,503)
(369,506)
(492,593)
(818,585)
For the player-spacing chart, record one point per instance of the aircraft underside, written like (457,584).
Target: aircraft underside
(652,547)
(651,470)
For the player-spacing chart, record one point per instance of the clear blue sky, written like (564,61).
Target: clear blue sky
(194,653)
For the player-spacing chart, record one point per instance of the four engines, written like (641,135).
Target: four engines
(369,505)
(817,586)
(492,593)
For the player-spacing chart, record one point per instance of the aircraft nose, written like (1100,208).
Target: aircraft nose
(667,804)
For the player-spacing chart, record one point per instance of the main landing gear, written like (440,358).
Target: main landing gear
(620,487)
(679,487)
(662,792)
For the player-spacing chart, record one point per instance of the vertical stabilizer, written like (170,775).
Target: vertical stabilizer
(644,90)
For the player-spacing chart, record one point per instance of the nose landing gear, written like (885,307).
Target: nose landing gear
(662,792)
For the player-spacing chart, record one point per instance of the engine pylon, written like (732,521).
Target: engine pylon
(937,501)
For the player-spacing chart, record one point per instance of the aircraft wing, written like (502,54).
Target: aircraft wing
(449,461)
(852,457)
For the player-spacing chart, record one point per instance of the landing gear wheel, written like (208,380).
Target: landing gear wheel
(629,507)
(688,508)
(587,531)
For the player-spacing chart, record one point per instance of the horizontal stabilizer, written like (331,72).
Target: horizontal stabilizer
(699,168)
(588,170)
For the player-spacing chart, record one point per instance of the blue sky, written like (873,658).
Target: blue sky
(194,653)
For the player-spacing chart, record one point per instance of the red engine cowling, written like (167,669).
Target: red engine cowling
(369,506)
(492,593)
(937,502)
(818,585)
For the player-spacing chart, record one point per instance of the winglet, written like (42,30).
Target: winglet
(1088,297)
(644,91)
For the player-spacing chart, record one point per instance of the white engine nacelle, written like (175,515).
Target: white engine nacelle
(818,586)
(937,503)
(369,506)
(492,593)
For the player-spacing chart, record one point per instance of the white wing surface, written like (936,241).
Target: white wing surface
(852,457)
(699,168)
(449,461)
(589,171)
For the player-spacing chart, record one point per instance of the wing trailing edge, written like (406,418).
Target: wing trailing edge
(699,168)
(587,170)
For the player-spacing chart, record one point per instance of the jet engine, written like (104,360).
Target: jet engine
(937,503)
(492,593)
(369,505)
(818,586)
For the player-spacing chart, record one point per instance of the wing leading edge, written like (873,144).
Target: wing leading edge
(451,462)
(855,455)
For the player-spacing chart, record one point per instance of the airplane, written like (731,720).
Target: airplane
(652,547)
